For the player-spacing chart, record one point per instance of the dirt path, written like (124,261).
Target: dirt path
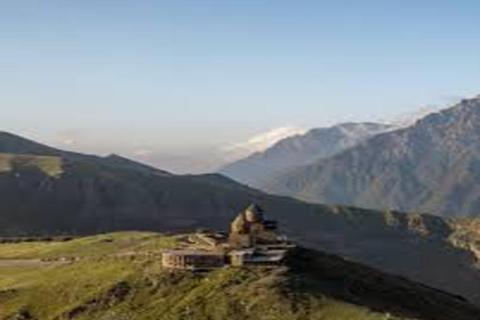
(6,263)
(23,263)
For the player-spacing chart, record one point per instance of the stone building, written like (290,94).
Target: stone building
(251,228)
(257,257)
(192,260)
(253,241)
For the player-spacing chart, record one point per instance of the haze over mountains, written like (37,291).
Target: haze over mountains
(187,153)
(432,166)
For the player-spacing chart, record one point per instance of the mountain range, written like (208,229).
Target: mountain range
(432,166)
(300,150)
(46,191)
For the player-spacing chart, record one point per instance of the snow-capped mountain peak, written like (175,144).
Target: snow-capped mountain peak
(263,141)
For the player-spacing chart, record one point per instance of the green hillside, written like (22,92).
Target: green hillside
(49,165)
(118,276)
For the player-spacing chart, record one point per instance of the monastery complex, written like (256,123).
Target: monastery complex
(253,241)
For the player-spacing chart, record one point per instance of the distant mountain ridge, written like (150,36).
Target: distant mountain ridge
(10,143)
(300,150)
(432,166)
(16,145)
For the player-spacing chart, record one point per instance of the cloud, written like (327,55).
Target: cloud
(450,99)
(68,137)
(204,159)
(263,141)
(409,118)
(198,159)
(144,153)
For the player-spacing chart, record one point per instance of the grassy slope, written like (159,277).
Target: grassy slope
(106,285)
(112,243)
(50,165)
(466,231)
(467,235)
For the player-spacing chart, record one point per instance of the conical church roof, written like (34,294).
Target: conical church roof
(254,213)
(239,225)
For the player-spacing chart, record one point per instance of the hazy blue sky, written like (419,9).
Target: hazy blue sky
(179,75)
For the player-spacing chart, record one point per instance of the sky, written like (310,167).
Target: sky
(174,82)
